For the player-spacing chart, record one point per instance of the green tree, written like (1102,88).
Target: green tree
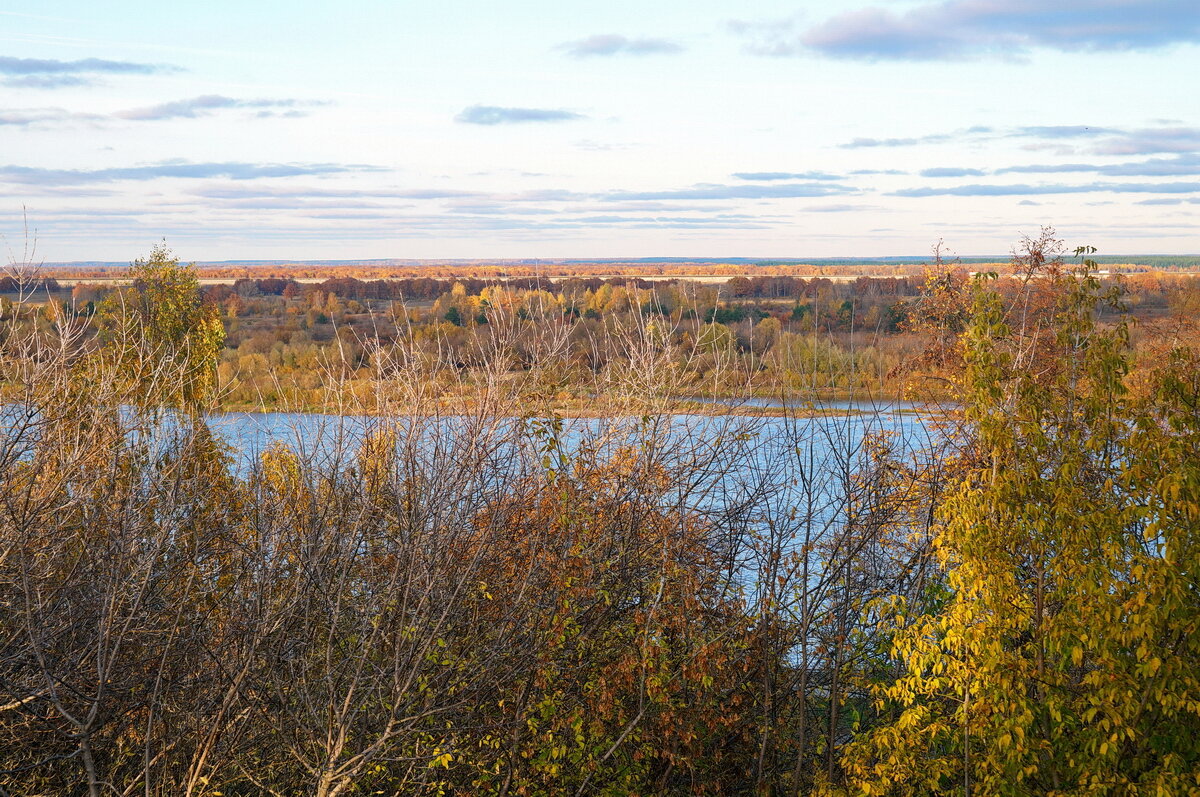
(166,338)
(1066,657)
(715,338)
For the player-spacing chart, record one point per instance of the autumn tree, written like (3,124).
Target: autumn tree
(164,337)
(1064,656)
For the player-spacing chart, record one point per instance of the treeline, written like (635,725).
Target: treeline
(858,338)
(352,288)
(11,284)
(288,343)
(484,597)
(501,270)
(275,345)
(430,288)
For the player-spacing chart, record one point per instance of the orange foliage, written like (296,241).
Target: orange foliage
(642,664)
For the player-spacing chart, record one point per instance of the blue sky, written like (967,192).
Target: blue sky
(528,128)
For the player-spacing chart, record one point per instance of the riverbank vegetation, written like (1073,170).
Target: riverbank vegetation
(467,592)
(288,344)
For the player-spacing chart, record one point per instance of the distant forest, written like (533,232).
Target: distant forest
(289,340)
(1176,262)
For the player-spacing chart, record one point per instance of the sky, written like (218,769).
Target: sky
(624,128)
